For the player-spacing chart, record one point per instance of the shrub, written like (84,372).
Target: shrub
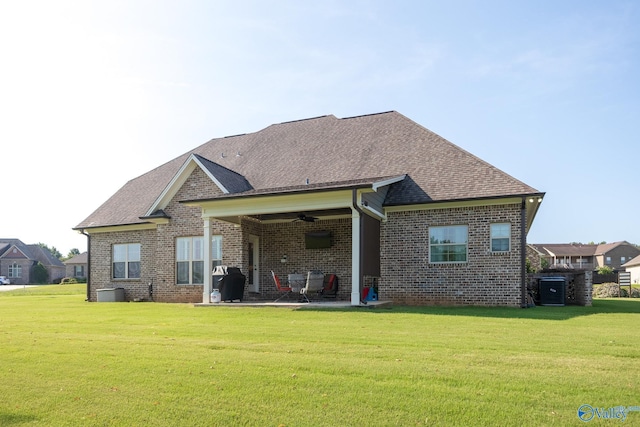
(635,293)
(609,290)
(605,269)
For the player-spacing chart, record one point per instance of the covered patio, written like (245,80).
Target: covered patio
(275,226)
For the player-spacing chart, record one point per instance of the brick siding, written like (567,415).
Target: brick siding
(486,279)
(407,276)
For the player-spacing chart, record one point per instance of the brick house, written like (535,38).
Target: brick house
(405,210)
(18,259)
(586,256)
(77,266)
(633,268)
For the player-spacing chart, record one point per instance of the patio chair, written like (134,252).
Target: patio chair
(315,283)
(285,289)
(330,286)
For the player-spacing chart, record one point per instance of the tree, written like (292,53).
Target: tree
(56,253)
(73,252)
(40,274)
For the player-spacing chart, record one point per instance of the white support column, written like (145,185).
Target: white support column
(208,262)
(355,257)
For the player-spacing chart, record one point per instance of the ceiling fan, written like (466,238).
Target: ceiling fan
(305,218)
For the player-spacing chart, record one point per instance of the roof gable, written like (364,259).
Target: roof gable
(633,262)
(607,247)
(226,180)
(14,249)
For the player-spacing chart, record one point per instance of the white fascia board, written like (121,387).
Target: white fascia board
(454,204)
(386,182)
(178,180)
(276,203)
(114,228)
(373,212)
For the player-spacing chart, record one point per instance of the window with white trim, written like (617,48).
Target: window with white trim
(126,261)
(216,250)
(500,237)
(15,271)
(190,258)
(448,244)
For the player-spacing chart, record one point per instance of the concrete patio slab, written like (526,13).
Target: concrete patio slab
(295,304)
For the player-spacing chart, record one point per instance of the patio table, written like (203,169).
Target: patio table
(296,282)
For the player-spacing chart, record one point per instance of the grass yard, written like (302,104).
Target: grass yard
(66,362)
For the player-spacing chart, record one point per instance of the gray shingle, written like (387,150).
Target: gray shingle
(328,150)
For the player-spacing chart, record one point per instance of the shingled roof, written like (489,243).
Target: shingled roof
(324,150)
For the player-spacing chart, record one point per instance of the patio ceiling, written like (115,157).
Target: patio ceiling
(281,207)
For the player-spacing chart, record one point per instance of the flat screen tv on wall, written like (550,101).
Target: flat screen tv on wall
(317,240)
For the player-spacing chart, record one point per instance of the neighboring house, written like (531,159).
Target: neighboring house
(17,261)
(633,267)
(76,266)
(399,207)
(586,257)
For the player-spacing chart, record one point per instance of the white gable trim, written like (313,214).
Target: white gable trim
(11,249)
(386,182)
(179,179)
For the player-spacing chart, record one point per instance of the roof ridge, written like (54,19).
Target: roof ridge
(303,120)
(370,114)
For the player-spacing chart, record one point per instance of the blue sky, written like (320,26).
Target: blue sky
(94,93)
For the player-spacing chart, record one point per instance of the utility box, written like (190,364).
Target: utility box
(110,295)
(552,290)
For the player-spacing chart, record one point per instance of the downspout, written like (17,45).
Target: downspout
(354,202)
(523,254)
(88,264)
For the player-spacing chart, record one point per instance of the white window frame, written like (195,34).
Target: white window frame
(190,255)
(130,255)
(216,250)
(500,231)
(15,271)
(450,238)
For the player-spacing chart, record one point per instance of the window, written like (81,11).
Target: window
(608,260)
(126,261)
(190,258)
(448,244)
(15,270)
(216,250)
(622,260)
(78,271)
(500,237)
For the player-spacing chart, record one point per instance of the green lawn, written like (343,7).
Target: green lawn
(66,362)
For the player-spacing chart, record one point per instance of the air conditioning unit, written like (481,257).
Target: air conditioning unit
(552,290)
